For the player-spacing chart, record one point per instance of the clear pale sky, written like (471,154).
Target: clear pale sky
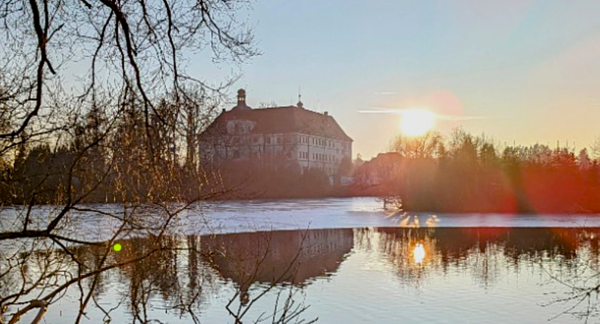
(530,67)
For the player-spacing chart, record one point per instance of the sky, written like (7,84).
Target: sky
(529,69)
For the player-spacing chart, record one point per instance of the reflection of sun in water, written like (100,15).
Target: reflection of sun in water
(403,219)
(419,253)
(416,122)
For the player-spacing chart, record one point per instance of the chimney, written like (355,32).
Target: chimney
(326,113)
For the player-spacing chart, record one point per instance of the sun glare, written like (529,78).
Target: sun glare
(419,253)
(416,122)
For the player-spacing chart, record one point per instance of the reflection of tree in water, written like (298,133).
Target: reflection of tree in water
(400,248)
(164,275)
(184,272)
(172,278)
(177,275)
(579,287)
(484,251)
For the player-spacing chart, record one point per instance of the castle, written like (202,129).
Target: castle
(291,133)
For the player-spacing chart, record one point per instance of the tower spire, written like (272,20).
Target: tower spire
(241,98)
(299,104)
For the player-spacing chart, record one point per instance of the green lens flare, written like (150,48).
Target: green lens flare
(117,247)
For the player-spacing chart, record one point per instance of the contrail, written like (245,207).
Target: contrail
(437,116)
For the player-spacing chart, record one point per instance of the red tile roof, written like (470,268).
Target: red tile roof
(288,119)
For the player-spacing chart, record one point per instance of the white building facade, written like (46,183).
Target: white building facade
(309,139)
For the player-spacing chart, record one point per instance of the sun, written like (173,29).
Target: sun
(416,122)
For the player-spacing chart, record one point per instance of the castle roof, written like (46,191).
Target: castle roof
(287,119)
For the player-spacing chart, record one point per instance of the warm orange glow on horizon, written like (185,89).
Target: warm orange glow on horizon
(416,122)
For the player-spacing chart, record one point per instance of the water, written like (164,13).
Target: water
(346,261)
(250,216)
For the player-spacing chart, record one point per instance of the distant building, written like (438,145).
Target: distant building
(289,133)
(380,169)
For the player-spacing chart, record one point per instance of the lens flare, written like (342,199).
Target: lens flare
(117,247)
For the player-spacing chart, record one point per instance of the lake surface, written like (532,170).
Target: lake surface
(265,215)
(348,261)
(379,275)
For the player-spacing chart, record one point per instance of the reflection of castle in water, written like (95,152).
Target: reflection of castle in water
(296,257)
(187,271)
(277,257)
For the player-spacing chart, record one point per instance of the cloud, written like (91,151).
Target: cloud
(378,110)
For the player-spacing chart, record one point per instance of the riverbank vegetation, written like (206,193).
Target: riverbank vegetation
(121,163)
(467,173)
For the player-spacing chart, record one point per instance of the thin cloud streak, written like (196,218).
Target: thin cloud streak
(437,116)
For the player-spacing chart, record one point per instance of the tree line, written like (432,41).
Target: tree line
(467,173)
(99,157)
(121,156)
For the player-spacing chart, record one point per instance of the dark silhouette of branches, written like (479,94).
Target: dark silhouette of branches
(95,106)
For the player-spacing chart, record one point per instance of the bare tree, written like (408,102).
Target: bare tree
(81,120)
(429,145)
(595,149)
